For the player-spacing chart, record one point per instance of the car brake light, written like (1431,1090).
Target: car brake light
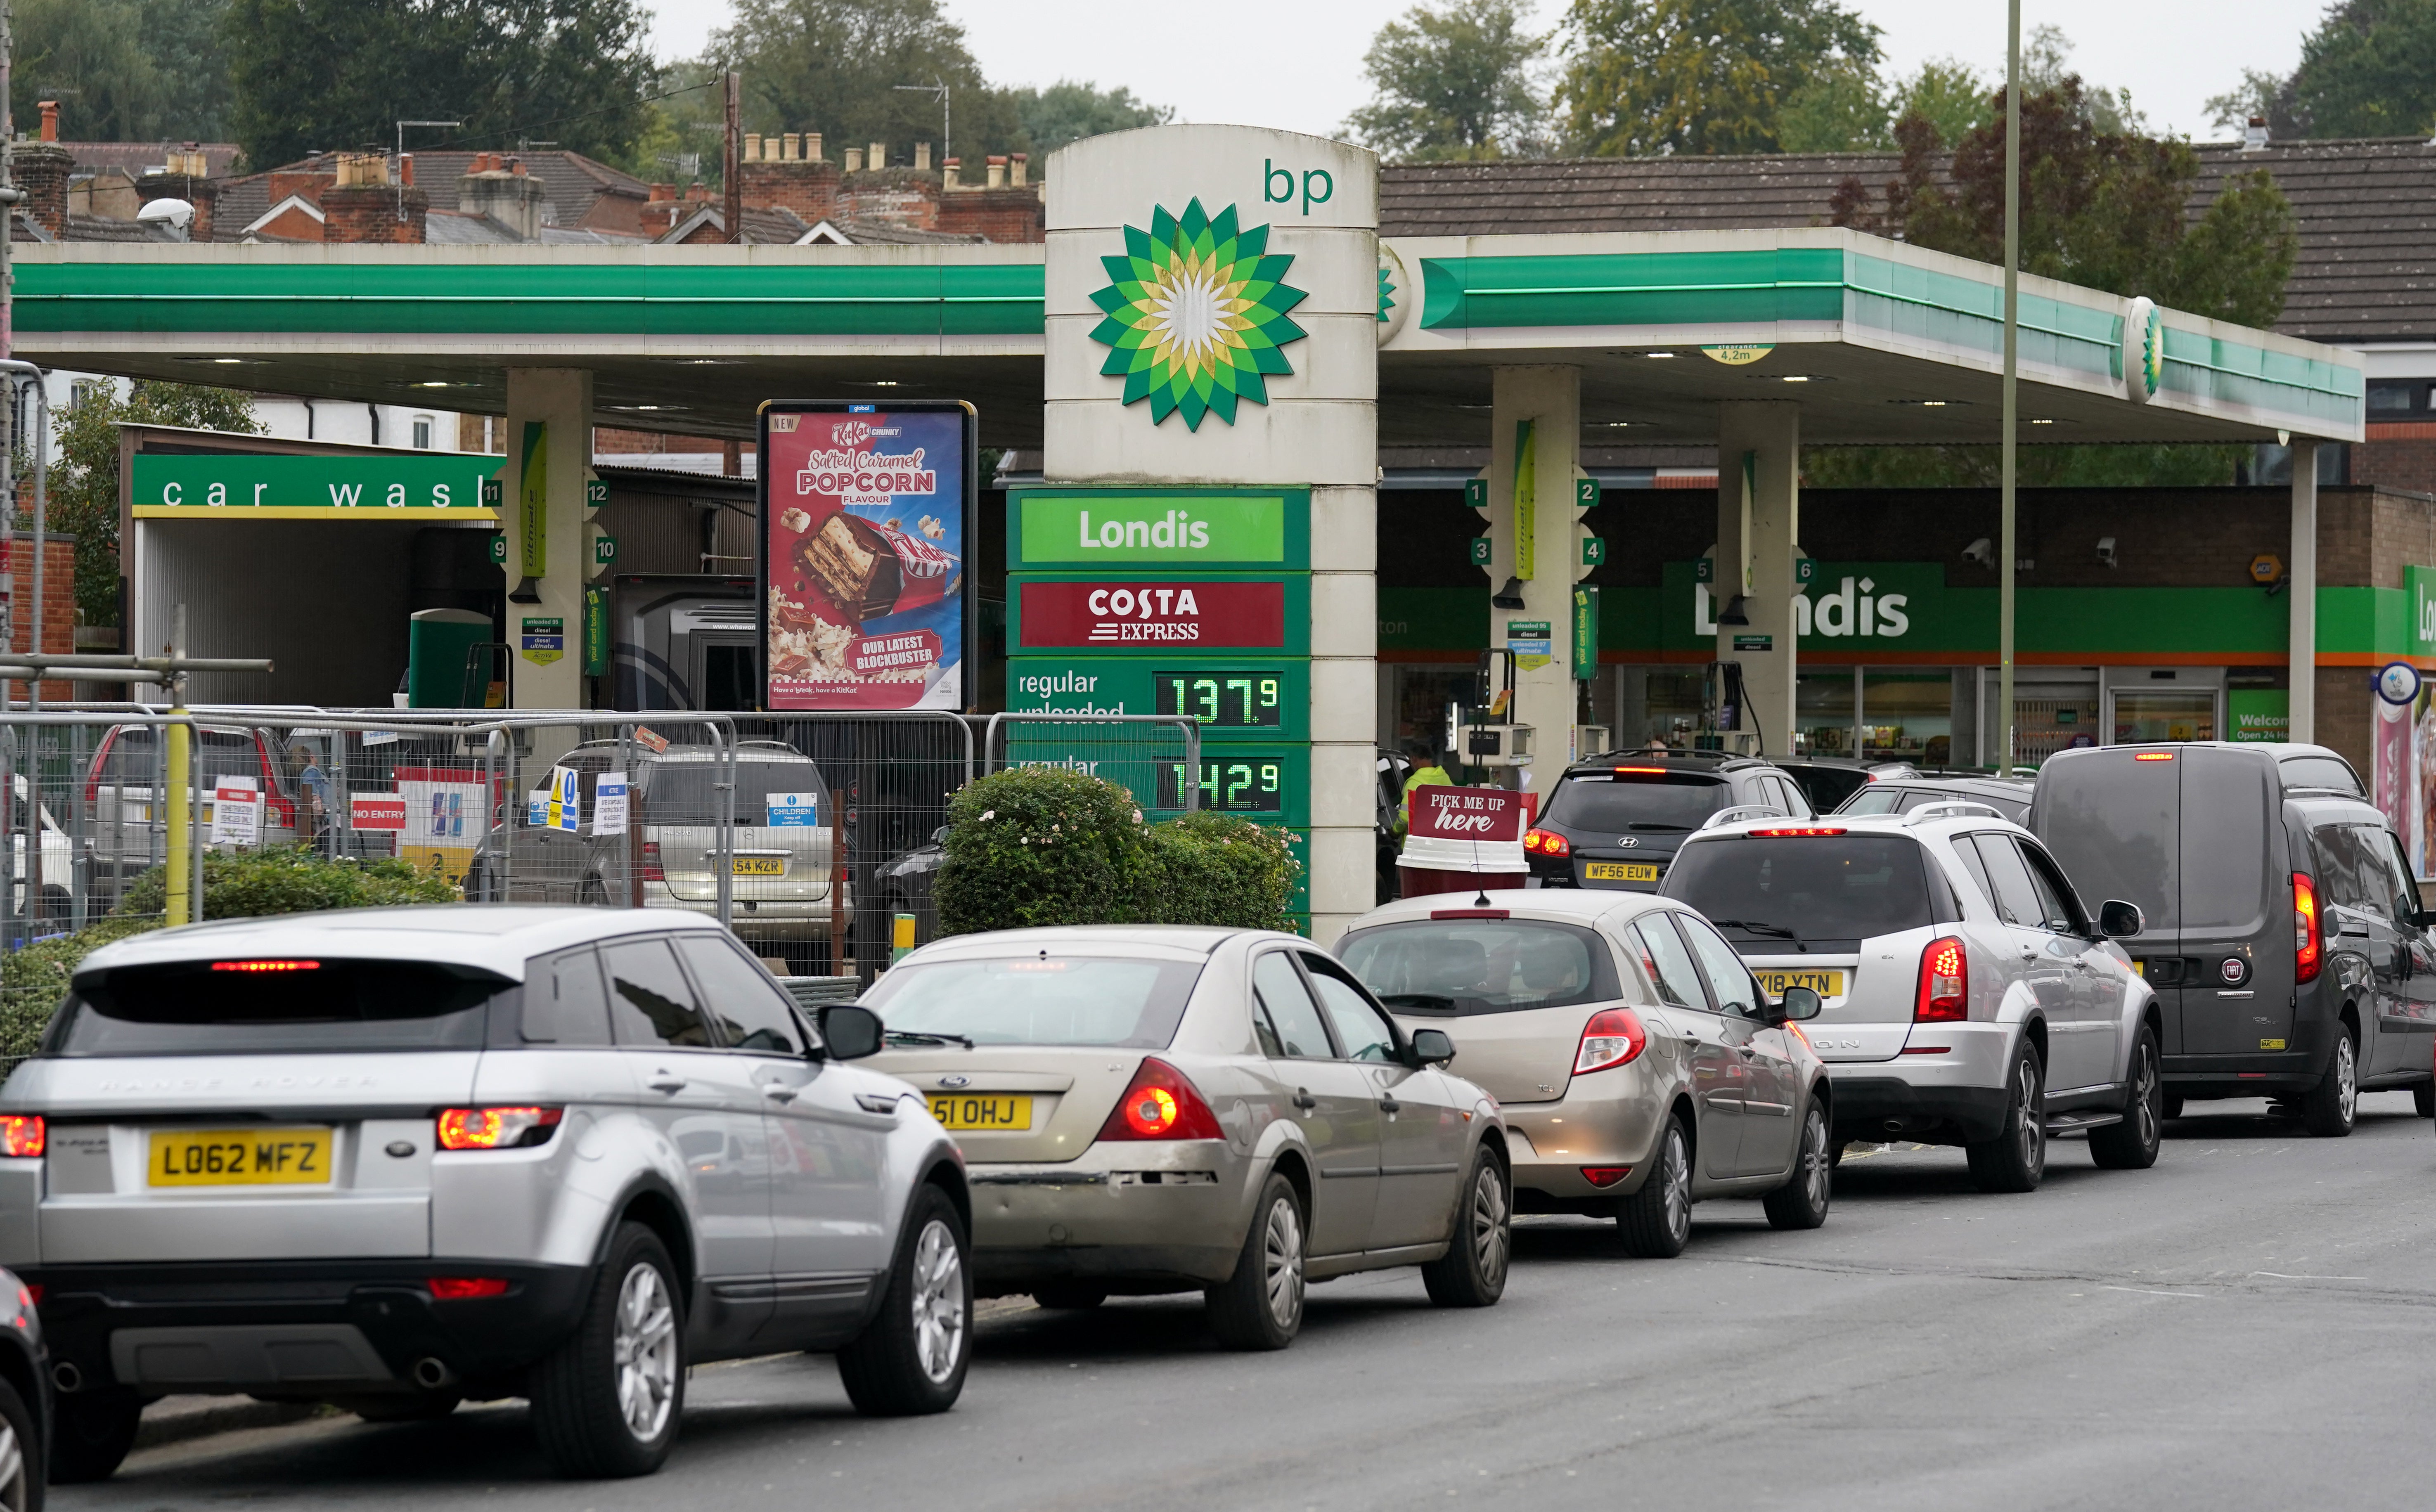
(1641,771)
(23,1136)
(266,966)
(30,1294)
(1798,829)
(458,1288)
(2152,755)
(2308,940)
(1469,913)
(1605,1175)
(496,1129)
(1546,843)
(1612,1036)
(649,869)
(1944,983)
(1161,1104)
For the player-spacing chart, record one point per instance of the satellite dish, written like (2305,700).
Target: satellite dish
(176,214)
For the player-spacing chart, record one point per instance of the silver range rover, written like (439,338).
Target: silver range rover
(398,1158)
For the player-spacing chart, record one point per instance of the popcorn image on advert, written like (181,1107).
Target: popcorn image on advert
(796,520)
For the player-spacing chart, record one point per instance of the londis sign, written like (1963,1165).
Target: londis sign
(167,485)
(1114,529)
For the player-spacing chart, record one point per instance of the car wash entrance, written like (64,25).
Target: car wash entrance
(323,553)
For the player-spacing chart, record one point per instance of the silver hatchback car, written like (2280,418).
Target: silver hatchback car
(398,1159)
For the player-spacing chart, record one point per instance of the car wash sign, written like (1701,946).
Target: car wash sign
(166,485)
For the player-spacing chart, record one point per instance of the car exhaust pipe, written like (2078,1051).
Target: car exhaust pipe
(432,1374)
(1894,1125)
(67,1376)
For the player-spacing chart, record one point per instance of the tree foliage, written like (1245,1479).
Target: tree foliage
(2102,209)
(2369,69)
(333,73)
(1646,78)
(1454,83)
(834,66)
(1068,111)
(83,489)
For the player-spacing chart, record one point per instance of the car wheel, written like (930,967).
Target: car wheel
(1259,1307)
(1656,1221)
(1472,1271)
(1801,1202)
(1065,1297)
(92,1433)
(913,1357)
(2131,1145)
(21,1455)
(2331,1106)
(2423,1099)
(605,1402)
(2018,1156)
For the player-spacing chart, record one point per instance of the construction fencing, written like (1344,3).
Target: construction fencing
(816,838)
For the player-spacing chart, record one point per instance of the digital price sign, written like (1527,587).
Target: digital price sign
(1222,699)
(1229,785)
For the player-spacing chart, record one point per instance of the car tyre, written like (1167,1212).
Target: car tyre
(2133,1145)
(2016,1159)
(1472,1271)
(21,1454)
(1803,1201)
(1656,1221)
(91,1434)
(605,1402)
(2423,1099)
(913,1357)
(1259,1307)
(1065,1297)
(2331,1107)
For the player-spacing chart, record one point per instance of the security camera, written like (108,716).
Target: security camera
(2106,551)
(1982,552)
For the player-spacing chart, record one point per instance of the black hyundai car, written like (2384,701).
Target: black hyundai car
(1615,820)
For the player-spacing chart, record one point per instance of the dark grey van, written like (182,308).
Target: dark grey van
(2282,932)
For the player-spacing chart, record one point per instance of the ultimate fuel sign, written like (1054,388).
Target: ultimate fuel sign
(167,485)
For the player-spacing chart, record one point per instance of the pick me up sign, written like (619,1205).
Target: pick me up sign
(1465,830)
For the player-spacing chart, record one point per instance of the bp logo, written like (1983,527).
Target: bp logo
(2144,350)
(1196,313)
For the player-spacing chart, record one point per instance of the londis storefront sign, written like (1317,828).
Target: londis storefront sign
(1111,529)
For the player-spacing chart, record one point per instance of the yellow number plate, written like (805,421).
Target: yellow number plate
(1825,983)
(759,865)
(239,1157)
(2141,966)
(1619,871)
(981,1111)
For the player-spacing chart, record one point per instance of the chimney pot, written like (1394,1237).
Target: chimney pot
(406,171)
(793,147)
(997,175)
(812,146)
(2254,137)
(951,171)
(922,157)
(50,120)
(1015,169)
(752,147)
(516,167)
(854,160)
(879,158)
(662,191)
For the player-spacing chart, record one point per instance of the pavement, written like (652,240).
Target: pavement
(2250,1325)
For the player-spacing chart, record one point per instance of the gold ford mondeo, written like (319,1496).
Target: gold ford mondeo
(1148,1110)
(1639,1066)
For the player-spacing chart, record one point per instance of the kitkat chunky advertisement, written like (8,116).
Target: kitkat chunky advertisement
(864,516)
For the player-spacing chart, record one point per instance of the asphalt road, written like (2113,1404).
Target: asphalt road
(2250,1325)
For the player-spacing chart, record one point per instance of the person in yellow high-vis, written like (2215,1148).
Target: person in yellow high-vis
(1426,772)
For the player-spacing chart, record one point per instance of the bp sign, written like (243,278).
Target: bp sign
(1196,315)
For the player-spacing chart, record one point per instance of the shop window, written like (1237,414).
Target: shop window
(423,433)
(2179,714)
(2390,398)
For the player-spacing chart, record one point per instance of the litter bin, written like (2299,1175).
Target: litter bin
(438,643)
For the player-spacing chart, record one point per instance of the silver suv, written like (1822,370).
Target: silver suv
(398,1158)
(1969,998)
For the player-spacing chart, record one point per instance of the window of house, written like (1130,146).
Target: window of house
(423,433)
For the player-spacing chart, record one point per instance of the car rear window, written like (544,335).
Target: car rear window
(2109,818)
(2225,797)
(1038,1000)
(2321,771)
(1826,787)
(1783,894)
(679,792)
(1629,801)
(290,1005)
(1457,968)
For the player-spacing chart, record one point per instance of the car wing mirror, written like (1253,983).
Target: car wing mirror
(2423,918)
(849,1031)
(2118,920)
(1798,1004)
(1431,1047)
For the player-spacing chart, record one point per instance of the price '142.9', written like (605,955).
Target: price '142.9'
(1227,786)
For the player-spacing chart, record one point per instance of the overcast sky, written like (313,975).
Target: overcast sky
(1297,64)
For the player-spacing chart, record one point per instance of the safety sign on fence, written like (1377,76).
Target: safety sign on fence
(565,803)
(236,812)
(794,810)
(609,804)
(378,810)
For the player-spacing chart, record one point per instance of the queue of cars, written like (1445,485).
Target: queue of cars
(399,1160)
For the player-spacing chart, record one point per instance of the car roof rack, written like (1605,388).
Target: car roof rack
(1957,809)
(1655,750)
(1742,811)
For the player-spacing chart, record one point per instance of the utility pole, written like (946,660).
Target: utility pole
(9,197)
(2012,314)
(733,205)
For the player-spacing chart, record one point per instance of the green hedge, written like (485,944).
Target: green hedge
(33,979)
(1044,846)
(290,879)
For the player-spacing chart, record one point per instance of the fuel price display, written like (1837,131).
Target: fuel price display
(1222,699)
(1240,786)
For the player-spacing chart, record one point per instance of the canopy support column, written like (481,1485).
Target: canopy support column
(2301,575)
(1759,500)
(543,509)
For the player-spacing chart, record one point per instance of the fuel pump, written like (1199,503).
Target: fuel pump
(1725,699)
(1486,734)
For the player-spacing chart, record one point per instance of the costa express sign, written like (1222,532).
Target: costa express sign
(1203,613)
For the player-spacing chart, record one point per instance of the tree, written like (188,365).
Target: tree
(1849,109)
(1949,95)
(1067,112)
(87,53)
(327,73)
(2368,70)
(84,491)
(2102,209)
(1453,84)
(833,66)
(1645,77)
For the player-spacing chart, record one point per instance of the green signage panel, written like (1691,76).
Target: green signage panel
(1158,614)
(596,631)
(1269,785)
(1586,630)
(1238,699)
(2259,713)
(1123,529)
(176,485)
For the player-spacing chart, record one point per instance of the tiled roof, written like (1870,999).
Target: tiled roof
(572,186)
(135,157)
(2367,270)
(775,226)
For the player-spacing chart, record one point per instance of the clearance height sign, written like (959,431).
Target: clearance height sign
(1188,602)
